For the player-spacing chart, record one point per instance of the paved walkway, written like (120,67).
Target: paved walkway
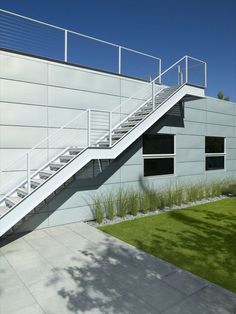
(78,269)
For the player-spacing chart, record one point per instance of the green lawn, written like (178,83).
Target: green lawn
(200,239)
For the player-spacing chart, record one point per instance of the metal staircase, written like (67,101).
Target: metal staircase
(122,130)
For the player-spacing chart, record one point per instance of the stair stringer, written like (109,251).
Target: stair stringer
(32,200)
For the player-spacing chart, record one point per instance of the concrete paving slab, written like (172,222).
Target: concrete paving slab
(78,269)
(185,282)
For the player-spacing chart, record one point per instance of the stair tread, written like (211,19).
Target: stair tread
(14,199)
(24,190)
(3,210)
(39,181)
(47,171)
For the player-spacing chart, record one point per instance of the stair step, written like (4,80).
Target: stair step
(121,130)
(133,118)
(46,173)
(75,151)
(56,165)
(22,191)
(66,158)
(13,200)
(37,182)
(3,210)
(104,144)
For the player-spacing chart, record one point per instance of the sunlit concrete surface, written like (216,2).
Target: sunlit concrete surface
(78,269)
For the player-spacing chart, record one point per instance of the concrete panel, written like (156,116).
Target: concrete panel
(229,165)
(186,155)
(23,69)
(23,115)
(67,137)
(21,137)
(195,115)
(230,153)
(230,142)
(196,104)
(20,92)
(220,118)
(219,130)
(8,156)
(190,141)
(58,117)
(132,88)
(190,168)
(190,179)
(70,215)
(61,97)
(131,173)
(190,128)
(216,175)
(221,106)
(83,79)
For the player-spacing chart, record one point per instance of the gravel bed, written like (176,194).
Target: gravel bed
(128,217)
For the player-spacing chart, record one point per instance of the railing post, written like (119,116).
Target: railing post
(110,129)
(28,174)
(205,75)
(89,126)
(66,47)
(119,60)
(186,69)
(153,95)
(159,71)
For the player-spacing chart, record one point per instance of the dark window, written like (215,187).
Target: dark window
(214,144)
(158,144)
(158,166)
(215,163)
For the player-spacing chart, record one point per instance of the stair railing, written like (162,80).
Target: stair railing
(85,130)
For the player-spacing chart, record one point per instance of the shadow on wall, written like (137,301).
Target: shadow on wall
(96,173)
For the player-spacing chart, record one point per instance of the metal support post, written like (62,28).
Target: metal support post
(153,95)
(66,47)
(119,60)
(110,129)
(88,126)
(28,174)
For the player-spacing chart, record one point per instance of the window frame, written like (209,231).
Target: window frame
(216,155)
(162,156)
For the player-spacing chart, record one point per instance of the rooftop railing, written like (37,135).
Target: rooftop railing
(32,36)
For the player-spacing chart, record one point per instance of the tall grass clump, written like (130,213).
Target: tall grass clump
(153,200)
(144,202)
(133,202)
(179,195)
(122,203)
(98,209)
(110,206)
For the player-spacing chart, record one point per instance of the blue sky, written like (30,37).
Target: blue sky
(167,29)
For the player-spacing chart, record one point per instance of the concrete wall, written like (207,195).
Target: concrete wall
(199,118)
(37,97)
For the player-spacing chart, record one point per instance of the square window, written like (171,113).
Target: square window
(158,166)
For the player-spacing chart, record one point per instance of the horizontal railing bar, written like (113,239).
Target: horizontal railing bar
(141,53)
(79,34)
(195,59)
(32,20)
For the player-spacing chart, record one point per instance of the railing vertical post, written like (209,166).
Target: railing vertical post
(119,60)
(28,173)
(186,69)
(159,70)
(88,126)
(66,46)
(110,129)
(205,74)
(153,95)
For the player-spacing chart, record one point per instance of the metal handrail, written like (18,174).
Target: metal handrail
(66,31)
